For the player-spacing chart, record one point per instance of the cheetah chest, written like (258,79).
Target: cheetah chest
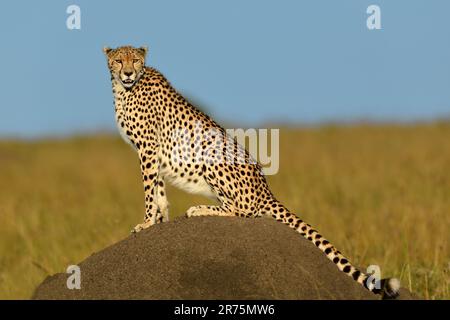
(121,118)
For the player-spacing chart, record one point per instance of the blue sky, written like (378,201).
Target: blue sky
(248,62)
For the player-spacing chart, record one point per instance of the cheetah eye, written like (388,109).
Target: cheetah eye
(135,60)
(117,61)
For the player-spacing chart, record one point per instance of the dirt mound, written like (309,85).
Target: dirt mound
(209,258)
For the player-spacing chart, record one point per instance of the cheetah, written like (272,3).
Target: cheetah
(178,143)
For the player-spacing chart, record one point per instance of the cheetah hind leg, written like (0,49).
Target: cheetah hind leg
(199,211)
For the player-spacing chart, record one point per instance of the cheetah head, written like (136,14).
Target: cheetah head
(127,64)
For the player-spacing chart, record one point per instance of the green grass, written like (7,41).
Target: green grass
(380,193)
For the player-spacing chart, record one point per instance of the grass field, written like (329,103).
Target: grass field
(381,193)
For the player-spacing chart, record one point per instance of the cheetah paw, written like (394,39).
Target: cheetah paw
(191,212)
(141,227)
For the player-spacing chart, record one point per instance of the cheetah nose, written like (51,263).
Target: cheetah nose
(128,73)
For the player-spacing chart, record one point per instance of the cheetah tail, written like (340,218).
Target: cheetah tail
(387,288)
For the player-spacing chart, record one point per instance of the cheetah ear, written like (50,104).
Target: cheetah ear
(143,50)
(106,50)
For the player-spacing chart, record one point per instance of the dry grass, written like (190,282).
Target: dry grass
(380,193)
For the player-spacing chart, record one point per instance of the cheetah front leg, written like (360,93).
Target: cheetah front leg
(149,170)
(161,202)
